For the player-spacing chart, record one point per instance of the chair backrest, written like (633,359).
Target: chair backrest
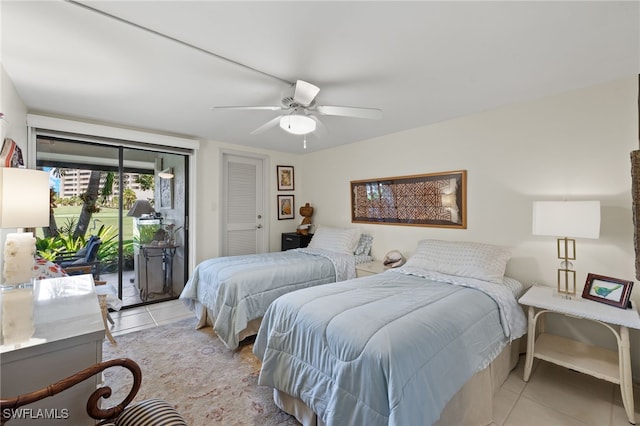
(82,253)
(92,251)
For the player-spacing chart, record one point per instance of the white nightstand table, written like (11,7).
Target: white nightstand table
(370,268)
(613,366)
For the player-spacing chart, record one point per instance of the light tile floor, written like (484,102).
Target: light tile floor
(554,396)
(140,318)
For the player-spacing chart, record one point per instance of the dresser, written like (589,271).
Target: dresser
(293,240)
(68,337)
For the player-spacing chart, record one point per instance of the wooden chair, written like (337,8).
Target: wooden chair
(162,413)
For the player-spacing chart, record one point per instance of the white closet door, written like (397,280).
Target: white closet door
(243,222)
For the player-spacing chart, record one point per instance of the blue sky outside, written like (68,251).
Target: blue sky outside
(54,182)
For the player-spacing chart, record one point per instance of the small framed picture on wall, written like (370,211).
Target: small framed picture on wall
(285,178)
(286,208)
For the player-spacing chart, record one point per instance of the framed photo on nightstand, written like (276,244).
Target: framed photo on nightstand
(612,291)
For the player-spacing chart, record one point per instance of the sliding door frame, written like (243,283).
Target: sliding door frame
(117,136)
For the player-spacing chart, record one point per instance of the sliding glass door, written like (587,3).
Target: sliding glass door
(133,199)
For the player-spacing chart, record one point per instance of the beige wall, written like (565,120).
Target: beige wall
(574,146)
(208,178)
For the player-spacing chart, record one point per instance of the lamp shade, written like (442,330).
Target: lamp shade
(297,124)
(575,219)
(24,198)
(139,208)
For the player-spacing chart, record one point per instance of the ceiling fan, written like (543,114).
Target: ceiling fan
(299,112)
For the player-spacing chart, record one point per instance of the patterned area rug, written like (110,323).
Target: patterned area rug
(191,369)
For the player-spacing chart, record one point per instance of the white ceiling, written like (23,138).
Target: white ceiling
(420,62)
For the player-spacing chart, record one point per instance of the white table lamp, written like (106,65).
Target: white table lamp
(567,220)
(24,203)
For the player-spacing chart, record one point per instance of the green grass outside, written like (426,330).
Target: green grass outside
(106,217)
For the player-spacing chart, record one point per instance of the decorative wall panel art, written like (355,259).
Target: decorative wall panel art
(434,199)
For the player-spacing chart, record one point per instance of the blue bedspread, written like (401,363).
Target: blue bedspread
(385,349)
(238,289)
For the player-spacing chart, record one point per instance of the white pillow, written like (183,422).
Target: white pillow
(484,262)
(339,240)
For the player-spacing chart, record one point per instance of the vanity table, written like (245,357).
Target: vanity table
(68,337)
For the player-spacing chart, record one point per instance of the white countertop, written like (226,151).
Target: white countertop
(65,308)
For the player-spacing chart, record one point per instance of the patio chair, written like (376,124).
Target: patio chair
(146,412)
(80,254)
(88,258)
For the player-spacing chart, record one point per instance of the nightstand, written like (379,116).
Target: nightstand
(613,366)
(369,268)
(293,240)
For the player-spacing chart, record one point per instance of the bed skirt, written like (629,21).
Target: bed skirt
(206,319)
(472,405)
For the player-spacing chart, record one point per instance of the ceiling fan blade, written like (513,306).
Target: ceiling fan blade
(266,126)
(305,93)
(321,129)
(263,108)
(370,113)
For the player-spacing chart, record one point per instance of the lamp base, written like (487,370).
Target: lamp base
(567,282)
(16,313)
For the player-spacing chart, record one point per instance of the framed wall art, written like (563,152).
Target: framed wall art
(434,199)
(285,178)
(286,208)
(166,190)
(612,291)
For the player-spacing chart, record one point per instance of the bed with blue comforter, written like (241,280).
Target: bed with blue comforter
(387,349)
(230,293)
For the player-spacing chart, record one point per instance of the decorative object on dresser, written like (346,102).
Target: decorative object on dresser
(286,207)
(306,211)
(612,291)
(434,199)
(24,198)
(293,240)
(611,365)
(285,178)
(567,220)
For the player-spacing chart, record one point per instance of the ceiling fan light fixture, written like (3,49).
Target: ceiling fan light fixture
(297,124)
